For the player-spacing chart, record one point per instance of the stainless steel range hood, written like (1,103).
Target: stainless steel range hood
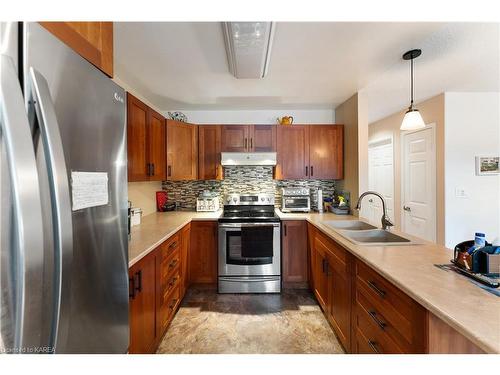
(248,158)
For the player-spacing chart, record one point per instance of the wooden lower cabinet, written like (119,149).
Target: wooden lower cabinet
(185,237)
(331,265)
(142,305)
(157,286)
(295,260)
(203,252)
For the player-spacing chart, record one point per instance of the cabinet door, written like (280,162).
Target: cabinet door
(235,138)
(209,167)
(293,152)
(157,146)
(137,139)
(339,300)
(185,245)
(142,306)
(182,151)
(92,40)
(203,252)
(319,269)
(294,244)
(326,151)
(262,138)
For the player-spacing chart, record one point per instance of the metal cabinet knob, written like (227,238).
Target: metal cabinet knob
(407,209)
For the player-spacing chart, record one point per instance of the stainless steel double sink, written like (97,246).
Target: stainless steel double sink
(361,233)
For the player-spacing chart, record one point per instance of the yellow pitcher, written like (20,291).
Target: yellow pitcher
(285,120)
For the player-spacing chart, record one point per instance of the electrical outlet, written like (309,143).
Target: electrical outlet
(460,192)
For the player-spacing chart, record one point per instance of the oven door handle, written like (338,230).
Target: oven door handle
(247,225)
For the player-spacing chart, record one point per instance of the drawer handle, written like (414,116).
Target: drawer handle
(173,245)
(172,304)
(172,282)
(172,264)
(379,322)
(379,291)
(373,346)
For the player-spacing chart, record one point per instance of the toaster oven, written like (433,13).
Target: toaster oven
(296,200)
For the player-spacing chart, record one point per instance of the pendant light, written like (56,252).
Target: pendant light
(412,120)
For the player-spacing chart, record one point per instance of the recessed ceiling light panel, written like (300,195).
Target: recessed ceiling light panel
(248,47)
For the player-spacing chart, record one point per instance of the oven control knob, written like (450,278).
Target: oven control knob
(235,199)
(262,199)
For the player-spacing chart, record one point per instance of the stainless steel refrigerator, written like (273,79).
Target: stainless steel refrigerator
(63,207)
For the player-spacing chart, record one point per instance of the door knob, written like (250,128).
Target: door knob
(370,200)
(407,209)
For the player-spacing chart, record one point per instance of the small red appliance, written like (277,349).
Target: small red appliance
(161,201)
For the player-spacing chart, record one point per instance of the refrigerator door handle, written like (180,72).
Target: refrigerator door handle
(27,210)
(61,201)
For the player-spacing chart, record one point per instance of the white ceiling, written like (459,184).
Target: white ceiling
(183,65)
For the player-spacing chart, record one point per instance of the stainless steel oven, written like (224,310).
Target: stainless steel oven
(249,259)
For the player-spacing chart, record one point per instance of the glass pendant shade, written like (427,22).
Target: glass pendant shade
(412,120)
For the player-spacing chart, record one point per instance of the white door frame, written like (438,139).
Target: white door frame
(382,141)
(431,126)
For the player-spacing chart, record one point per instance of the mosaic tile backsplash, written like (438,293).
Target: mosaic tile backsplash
(238,179)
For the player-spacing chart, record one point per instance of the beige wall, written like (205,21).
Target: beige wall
(143,195)
(347,114)
(432,111)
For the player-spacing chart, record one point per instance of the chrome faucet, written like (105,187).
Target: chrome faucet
(386,223)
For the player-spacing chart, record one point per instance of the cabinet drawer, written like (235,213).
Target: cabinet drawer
(170,284)
(377,327)
(169,246)
(372,345)
(169,306)
(382,291)
(169,265)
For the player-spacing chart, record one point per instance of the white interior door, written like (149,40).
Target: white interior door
(380,179)
(419,184)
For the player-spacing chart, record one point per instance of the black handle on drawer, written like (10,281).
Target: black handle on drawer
(373,346)
(312,171)
(172,264)
(172,304)
(379,322)
(307,170)
(379,291)
(131,287)
(173,245)
(169,171)
(152,169)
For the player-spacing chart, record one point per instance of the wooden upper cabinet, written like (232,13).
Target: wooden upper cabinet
(294,244)
(293,152)
(157,146)
(203,252)
(235,138)
(209,139)
(248,138)
(146,143)
(137,139)
(326,151)
(92,40)
(182,151)
(263,138)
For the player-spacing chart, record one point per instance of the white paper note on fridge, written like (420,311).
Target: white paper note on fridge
(89,189)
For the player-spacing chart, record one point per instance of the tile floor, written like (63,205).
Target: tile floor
(291,322)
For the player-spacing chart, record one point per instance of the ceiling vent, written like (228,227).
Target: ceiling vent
(248,47)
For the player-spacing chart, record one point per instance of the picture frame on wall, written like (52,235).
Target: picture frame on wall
(487,165)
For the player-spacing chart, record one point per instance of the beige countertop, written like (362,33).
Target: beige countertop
(453,298)
(159,226)
(469,309)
